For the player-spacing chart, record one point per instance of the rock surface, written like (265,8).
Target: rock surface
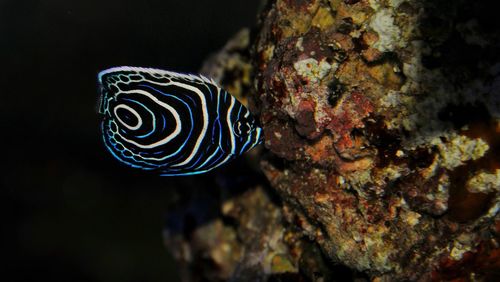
(382,136)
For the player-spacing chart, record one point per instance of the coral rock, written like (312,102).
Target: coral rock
(383,164)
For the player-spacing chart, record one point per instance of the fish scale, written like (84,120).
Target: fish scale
(172,123)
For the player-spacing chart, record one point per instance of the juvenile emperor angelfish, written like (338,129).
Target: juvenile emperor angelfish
(172,123)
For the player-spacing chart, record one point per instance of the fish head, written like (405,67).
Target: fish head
(247,132)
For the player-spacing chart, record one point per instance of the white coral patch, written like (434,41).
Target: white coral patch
(312,70)
(389,33)
(459,150)
(484,182)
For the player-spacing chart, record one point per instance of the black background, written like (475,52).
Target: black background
(70,212)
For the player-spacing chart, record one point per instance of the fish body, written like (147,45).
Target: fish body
(172,123)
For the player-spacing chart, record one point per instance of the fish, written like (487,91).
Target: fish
(172,123)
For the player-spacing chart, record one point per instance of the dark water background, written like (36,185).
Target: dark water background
(68,211)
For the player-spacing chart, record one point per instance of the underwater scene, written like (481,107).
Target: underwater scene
(263,140)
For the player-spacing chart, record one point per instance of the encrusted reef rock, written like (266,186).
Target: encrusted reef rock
(387,114)
(382,140)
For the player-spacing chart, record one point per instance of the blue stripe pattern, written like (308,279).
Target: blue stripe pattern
(172,123)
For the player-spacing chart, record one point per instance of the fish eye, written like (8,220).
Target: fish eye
(241,128)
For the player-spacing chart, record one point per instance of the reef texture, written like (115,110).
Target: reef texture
(382,142)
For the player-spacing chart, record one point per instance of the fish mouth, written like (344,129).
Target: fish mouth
(260,136)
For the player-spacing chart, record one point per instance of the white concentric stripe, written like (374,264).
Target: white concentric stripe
(178,126)
(134,112)
(205,118)
(221,162)
(164,157)
(229,125)
(209,158)
(220,139)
